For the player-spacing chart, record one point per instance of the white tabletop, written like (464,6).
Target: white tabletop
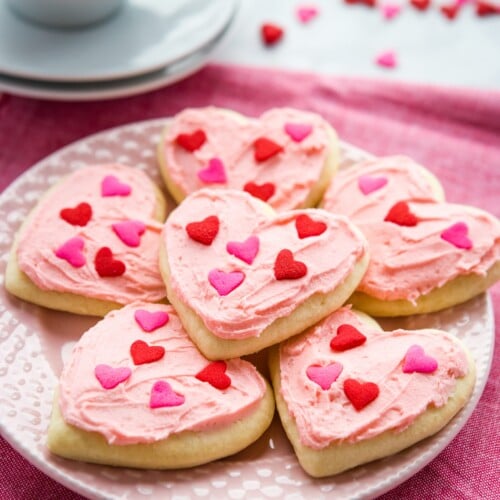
(345,39)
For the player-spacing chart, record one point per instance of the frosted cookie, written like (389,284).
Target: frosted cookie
(286,157)
(425,254)
(136,392)
(348,393)
(243,278)
(366,191)
(91,243)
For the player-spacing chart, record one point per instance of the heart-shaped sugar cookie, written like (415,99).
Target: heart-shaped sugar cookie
(394,389)
(286,157)
(91,243)
(255,269)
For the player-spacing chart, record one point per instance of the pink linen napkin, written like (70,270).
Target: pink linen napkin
(454,132)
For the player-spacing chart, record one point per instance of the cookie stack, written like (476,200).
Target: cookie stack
(249,265)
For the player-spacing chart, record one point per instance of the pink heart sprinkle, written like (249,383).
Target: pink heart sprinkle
(110,377)
(224,282)
(214,173)
(71,251)
(390,10)
(111,186)
(367,184)
(298,131)
(129,231)
(457,235)
(163,395)
(417,361)
(387,59)
(307,13)
(246,250)
(324,376)
(151,321)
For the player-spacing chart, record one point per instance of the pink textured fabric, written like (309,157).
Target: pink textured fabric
(454,132)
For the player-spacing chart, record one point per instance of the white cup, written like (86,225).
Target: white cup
(65,13)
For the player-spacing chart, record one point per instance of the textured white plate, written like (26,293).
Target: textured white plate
(33,342)
(144,36)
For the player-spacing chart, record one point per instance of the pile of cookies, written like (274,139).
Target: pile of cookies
(247,263)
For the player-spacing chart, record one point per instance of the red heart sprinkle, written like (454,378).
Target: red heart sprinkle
(271,33)
(77,216)
(286,268)
(261,191)
(400,214)
(486,8)
(191,142)
(347,337)
(204,231)
(106,266)
(215,375)
(265,148)
(360,394)
(450,11)
(420,4)
(369,3)
(143,353)
(307,227)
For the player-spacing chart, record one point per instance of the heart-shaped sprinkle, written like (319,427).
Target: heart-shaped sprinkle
(150,321)
(271,33)
(324,376)
(204,231)
(389,11)
(110,377)
(71,251)
(143,353)
(246,250)
(162,396)
(129,231)
(420,4)
(77,216)
(214,173)
(112,186)
(106,266)
(224,282)
(387,59)
(191,142)
(298,131)
(215,375)
(264,149)
(417,361)
(450,10)
(307,13)
(347,337)
(486,8)
(368,184)
(401,215)
(457,236)
(368,3)
(287,268)
(360,394)
(307,227)
(261,191)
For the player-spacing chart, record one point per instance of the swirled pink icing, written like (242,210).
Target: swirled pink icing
(47,232)
(261,297)
(130,411)
(324,416)
(366,191)
(229,139)
(407,262)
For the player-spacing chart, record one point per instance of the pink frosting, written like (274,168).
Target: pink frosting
(407,262)
(324,416)
(46,232)
(405,180)
(260,299)
(137,408)
(293,172)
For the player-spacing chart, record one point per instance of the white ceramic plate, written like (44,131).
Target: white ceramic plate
(34,341)
(144,36)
